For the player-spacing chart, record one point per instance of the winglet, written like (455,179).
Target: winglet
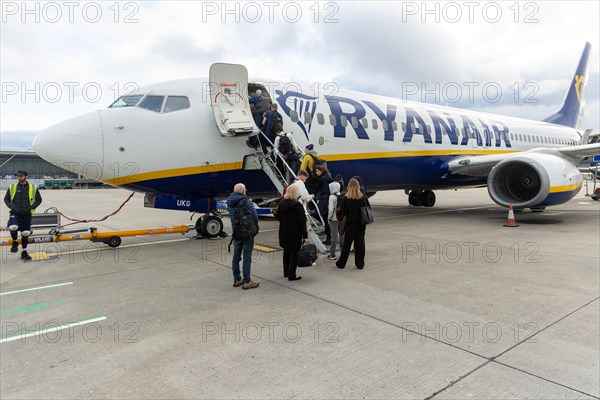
(572,109)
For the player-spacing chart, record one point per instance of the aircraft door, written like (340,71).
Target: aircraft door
(229,99)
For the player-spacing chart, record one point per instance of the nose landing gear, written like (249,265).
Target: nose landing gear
(210,226)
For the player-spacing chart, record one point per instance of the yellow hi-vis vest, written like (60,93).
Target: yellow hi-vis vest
(32,193)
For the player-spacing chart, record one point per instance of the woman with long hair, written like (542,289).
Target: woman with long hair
(354,229)
(292,230)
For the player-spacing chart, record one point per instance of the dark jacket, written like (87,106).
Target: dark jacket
(351,208)
(233,201)
(322,192)
(292,224)
(20,204)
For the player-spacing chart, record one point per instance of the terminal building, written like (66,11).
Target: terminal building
(40,172)
(36,167)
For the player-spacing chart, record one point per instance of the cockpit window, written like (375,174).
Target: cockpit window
(129,100)
(175,103)
(152,103)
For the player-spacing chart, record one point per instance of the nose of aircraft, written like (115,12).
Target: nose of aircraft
(75,145)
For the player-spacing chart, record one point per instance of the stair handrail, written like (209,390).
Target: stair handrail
(276,151)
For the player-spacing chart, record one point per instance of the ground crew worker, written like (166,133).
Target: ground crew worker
(22,199)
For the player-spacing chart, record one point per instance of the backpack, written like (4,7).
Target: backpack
(338,207)
(285,144)
(317,161)
(245,228)
(276,119)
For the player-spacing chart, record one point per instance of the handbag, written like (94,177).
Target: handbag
(307,255)
(366,215)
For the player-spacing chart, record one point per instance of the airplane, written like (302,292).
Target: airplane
(184,144)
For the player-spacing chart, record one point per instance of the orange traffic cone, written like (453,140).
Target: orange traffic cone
(510,222)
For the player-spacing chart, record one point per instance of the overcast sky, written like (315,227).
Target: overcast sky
(61,59)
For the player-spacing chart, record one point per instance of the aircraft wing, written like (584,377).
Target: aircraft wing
(482,165)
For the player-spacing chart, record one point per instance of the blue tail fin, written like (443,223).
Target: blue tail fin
(572,109)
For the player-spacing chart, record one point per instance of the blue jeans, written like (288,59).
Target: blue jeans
(240,248)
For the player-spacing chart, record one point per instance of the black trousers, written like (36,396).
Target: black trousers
(355,233)
(290,263)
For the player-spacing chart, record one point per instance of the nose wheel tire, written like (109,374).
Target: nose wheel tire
(209,226)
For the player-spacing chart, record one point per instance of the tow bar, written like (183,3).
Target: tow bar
(111,238)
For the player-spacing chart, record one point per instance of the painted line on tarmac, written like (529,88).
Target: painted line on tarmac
(37,288)
(265,249)
(429,213)
(25,334)
(32,307)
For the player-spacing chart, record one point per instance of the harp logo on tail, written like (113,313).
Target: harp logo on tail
(579,83)
(301,105)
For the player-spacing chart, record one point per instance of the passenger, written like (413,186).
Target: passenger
(244,230)
(22,199)
(354,230)
(322,197)
(335,200)
(308,165)
(271,120)
(292,231)
(363,190)
(286,150)
(261,105)
(300,184)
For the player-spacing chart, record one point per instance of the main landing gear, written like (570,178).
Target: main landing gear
(209,226)
(421,198)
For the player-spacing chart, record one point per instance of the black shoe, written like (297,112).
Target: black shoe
(294,278)
(25,256)
(360,267)
(337,265)
(14,248)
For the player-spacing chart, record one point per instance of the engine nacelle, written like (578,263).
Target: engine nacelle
(533,180)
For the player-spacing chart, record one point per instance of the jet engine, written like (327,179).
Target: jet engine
(533,180)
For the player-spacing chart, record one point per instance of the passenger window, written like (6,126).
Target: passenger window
(176,103)
(152,103)
(354,122)
(365,123)
(394,126)
(374,122)
(403,127)
(332,120)
(384,125)
(320,118)
(344,121)
(294,116)
(307,118)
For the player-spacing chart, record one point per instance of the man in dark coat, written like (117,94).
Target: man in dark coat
(241,247)
(292,231)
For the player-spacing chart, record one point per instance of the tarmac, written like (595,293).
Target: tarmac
(450,305)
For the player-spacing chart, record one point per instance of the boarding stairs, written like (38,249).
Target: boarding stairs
(278,177)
